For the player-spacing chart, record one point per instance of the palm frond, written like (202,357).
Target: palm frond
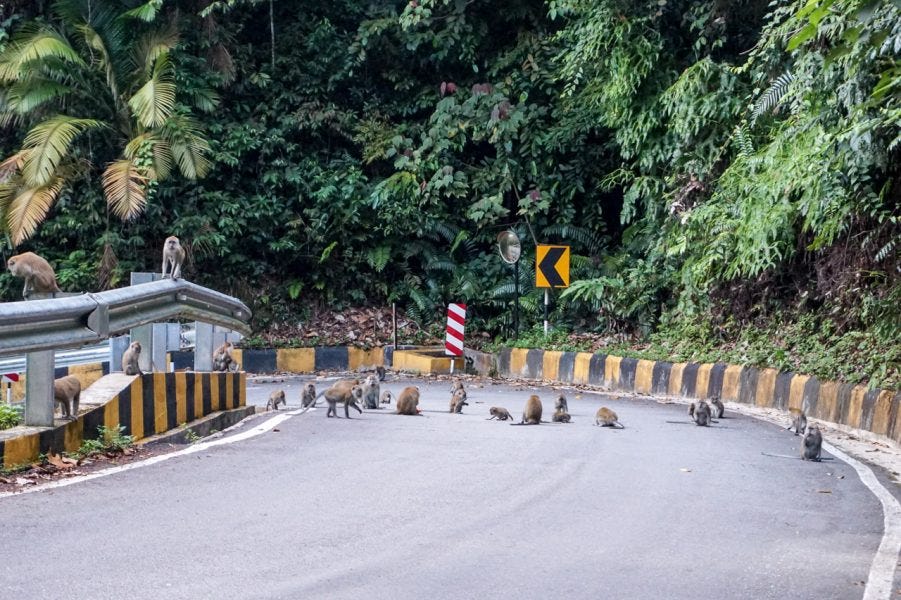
(124,186)
(152,104)
(145,12)
(96,43)
(26,94)
(25,209)
(13,164)
(568,233)
(33,44)
(49,142)
(154,45)
(188,147)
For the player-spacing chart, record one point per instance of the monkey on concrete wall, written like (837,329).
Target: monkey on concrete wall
(130,359)
(222,358)
(66,393)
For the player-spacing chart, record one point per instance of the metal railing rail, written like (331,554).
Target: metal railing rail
(75,321)
(93,353)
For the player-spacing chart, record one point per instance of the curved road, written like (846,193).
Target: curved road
(456,506)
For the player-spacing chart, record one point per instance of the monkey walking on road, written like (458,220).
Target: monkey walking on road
(499,413)
(275,398)
(607,418)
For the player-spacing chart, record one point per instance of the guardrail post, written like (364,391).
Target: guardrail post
(203,347)
(146,334)
(39,372)
(117,346)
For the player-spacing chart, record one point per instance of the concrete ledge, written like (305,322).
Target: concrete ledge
(86,373)
(856,406)
(202,427)
(145,405)
(427,361)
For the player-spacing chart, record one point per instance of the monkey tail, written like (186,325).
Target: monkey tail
(621,426)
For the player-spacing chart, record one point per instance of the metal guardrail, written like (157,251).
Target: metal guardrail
(94,353)
(75,321)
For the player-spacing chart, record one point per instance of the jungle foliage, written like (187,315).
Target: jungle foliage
(725,171)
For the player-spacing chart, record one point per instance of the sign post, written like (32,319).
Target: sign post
(510,249)
(551,271)
(453,343)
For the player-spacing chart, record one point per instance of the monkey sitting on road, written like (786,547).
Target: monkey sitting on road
(408,401)
(308,395)
(716,408)
(799,420)
(607,418)
(130,359)
(499,413)
(380,372)
(371,392)
(173,257)
(222,358)
(812,444)
(561,404)
(37,272)
(700,413)
(458,401)
(531,414)
(561,416)
(66,393)
(275,398)
(386,397)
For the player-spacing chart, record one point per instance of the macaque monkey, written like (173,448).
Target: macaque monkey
(371,392)
(37,272)
(66,393)
(607,418)
(173,257)
(716,408)
(531,414)
(561,404)
(812,444)
(275,398)
(380,372)
(799,420)
(700,413)
(561,416)
(347,391)
(222,358)
(130,359)
(308,395)
(408,401)
(456,385)
(386,397)
(458,401)
(499,413)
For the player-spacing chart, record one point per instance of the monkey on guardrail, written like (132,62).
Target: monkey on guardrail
(37,272)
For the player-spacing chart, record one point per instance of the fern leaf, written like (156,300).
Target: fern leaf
(773,95)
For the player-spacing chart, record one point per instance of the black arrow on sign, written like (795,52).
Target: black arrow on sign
(548,266)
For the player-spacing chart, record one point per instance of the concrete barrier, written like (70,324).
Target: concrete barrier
(855,406)
(145,405)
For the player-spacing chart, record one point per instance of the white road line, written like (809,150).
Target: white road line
(263,427)
(882,571)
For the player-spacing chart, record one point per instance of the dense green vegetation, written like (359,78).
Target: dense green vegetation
(725,171)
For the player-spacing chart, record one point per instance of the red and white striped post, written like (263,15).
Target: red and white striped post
(453,343)
(9,378)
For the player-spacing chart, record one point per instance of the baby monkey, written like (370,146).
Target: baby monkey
(499,413)
(812,444)
(799,420)
(275,398)
(607,418)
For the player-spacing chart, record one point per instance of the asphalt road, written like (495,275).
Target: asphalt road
(456,506)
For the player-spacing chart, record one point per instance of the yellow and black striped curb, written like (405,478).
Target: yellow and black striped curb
(297,360)
(856,406)
(152,403)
